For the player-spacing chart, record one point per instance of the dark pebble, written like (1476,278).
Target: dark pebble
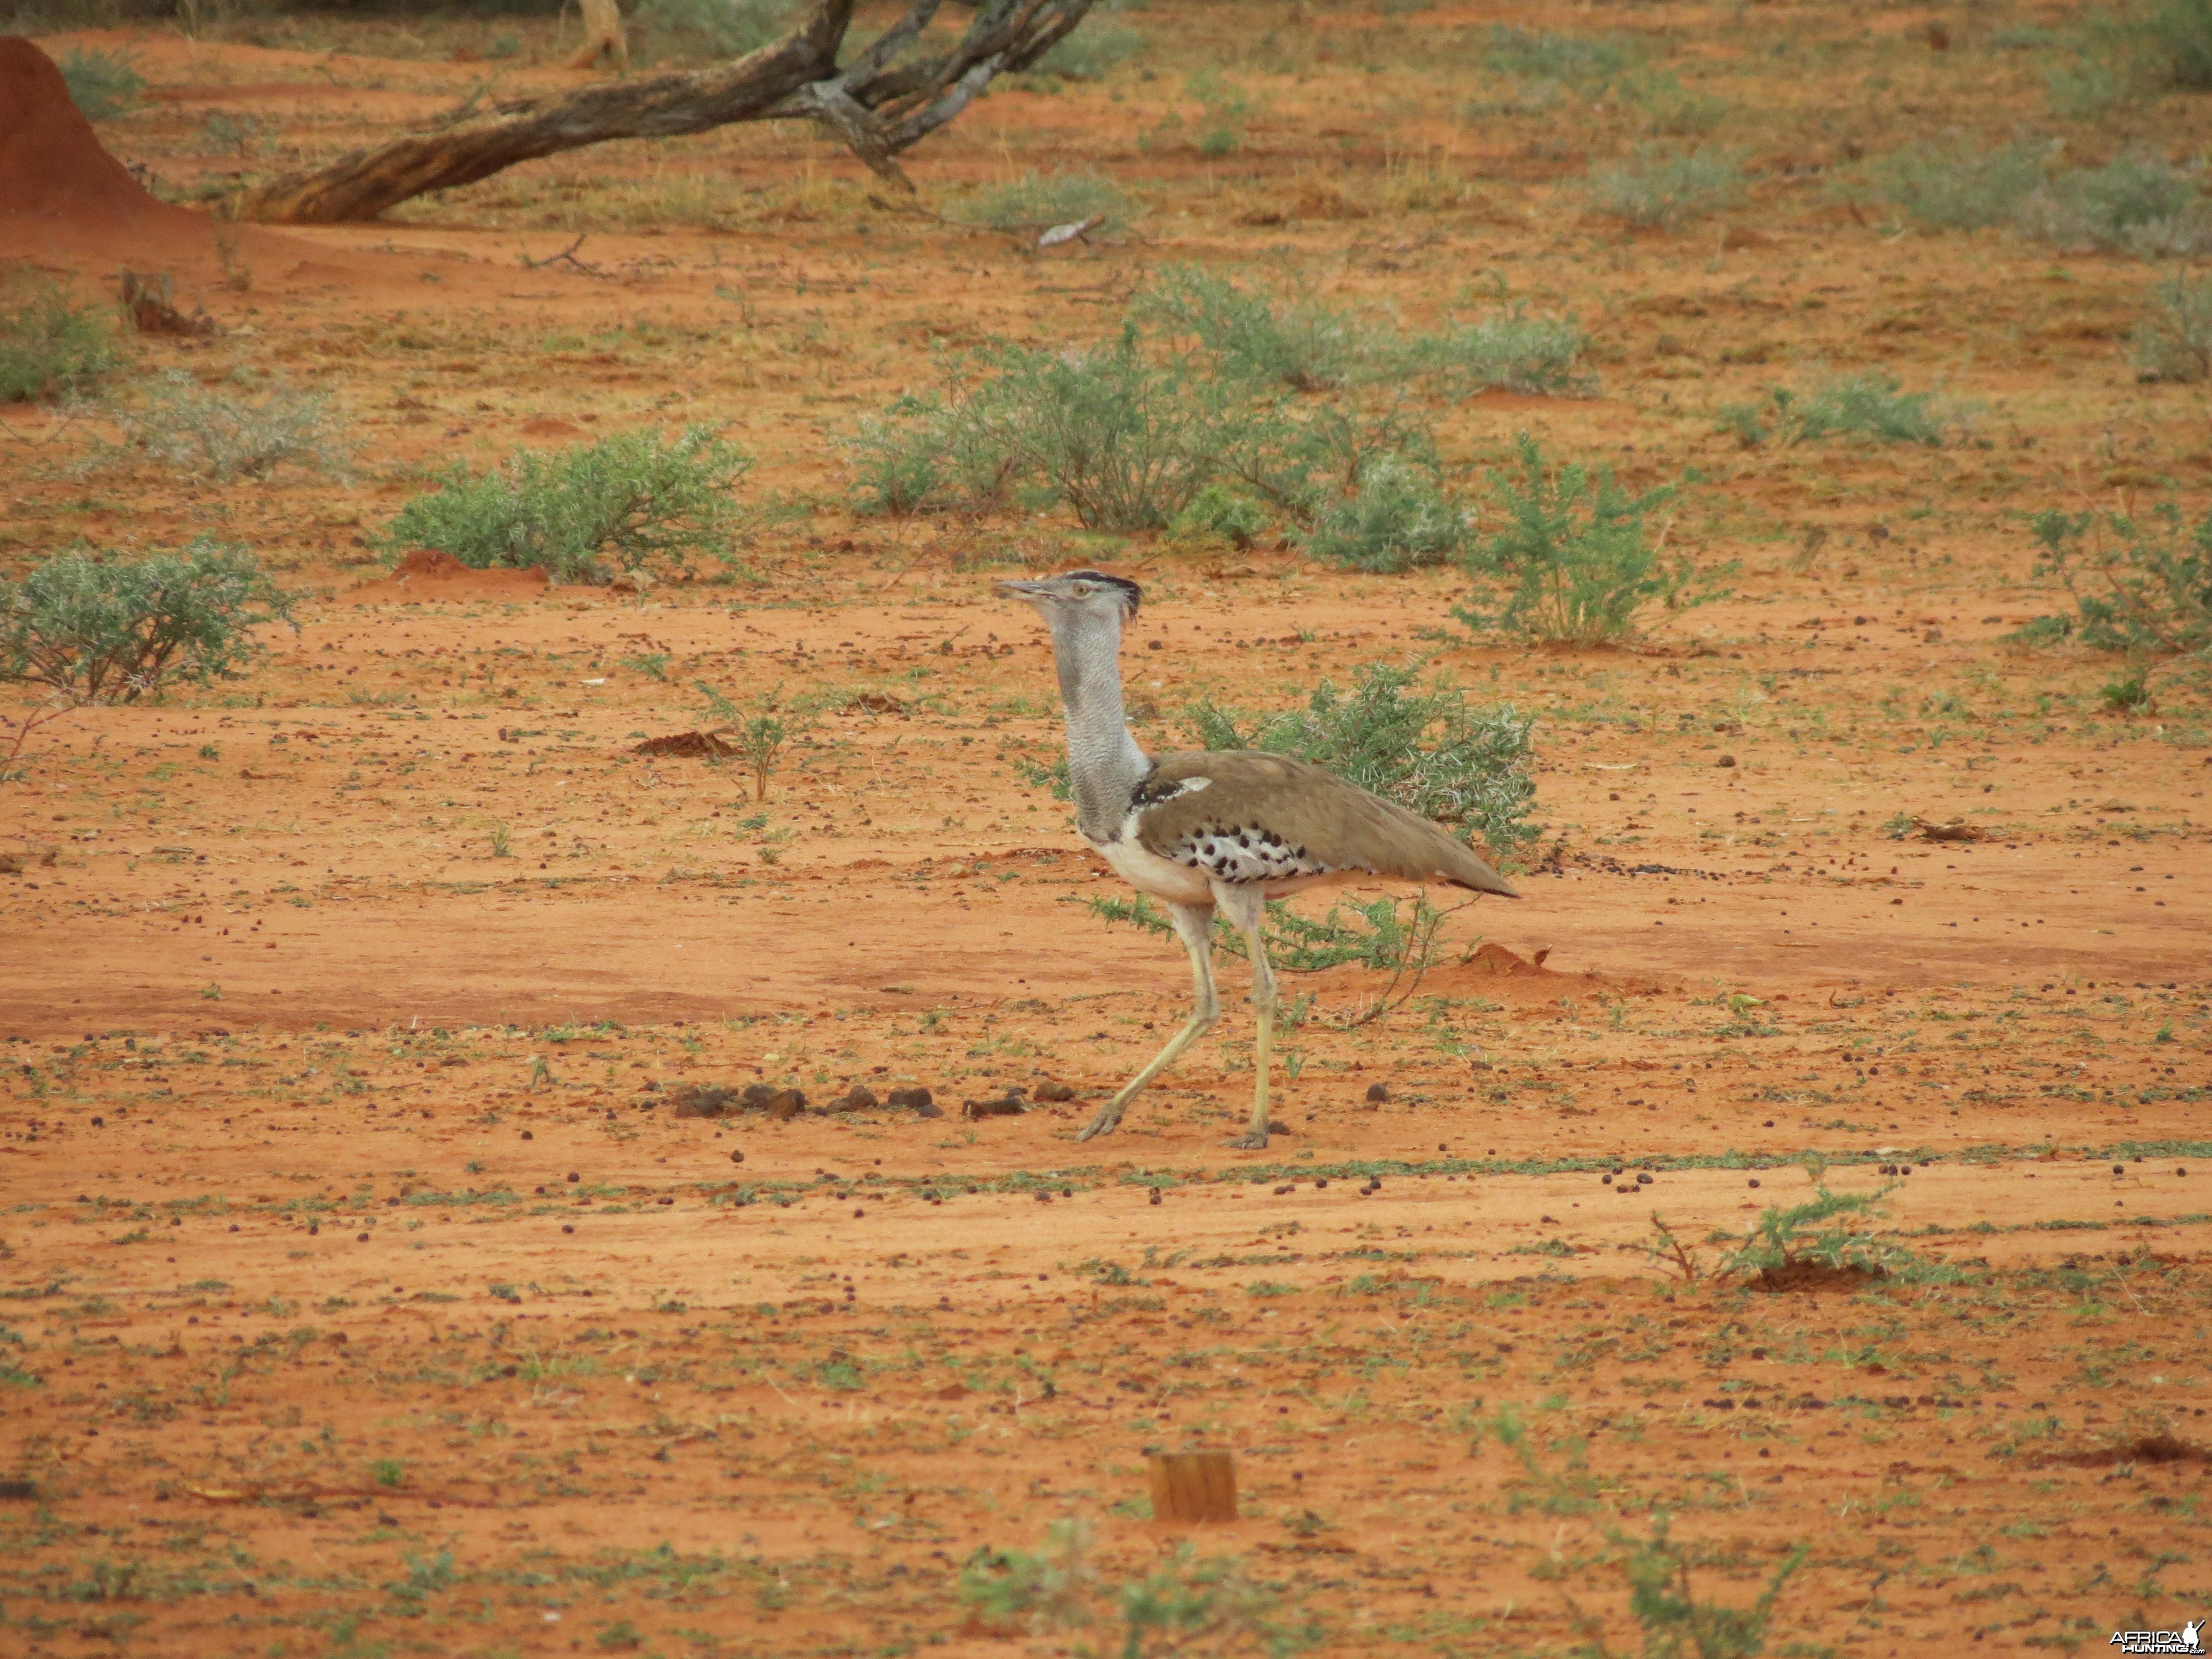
(1377,1093)
(1155,1197)
(1009,1104)
(526,1135)
(573,1176)
(1643,1181)
(568,1226)
(1725,760)
(1754,1180)
(360,1238)
(914,1098)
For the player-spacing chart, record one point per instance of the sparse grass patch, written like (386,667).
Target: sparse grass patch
(1576,549)
(1958,186)
(102,84)
(50,346)
(1570,59)
(1037,201)
(1661,186)
(711,28)
(1870,404)
(111,628)
(1090,52)
(2139,204)
(223,433)
(632,498)
(2173,338)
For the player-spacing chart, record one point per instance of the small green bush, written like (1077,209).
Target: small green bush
(1090,54)
(957,449)
(223,433)
(1870,404)
(2138,204)
(631,498)
(2173,340)
(50,347)
(102,84)
(2141,584)
(1658,187)
(105,629)
(2178,39)
(1575,547)
(1958,187)
(1299,340)
(1672,110)
(1427,748)
(713,28)
(1570,59)
(1397,518)
(1126,441)
(1039,201)
(1219,510)
(1829,1230)
(1508,351)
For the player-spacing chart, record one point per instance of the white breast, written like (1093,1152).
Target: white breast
(1148,872)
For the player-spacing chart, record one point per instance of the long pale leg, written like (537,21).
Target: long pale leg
(1193,926)
(1245,908)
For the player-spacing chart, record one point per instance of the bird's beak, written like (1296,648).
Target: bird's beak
(1030,590)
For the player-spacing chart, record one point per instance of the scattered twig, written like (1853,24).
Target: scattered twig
(568,254)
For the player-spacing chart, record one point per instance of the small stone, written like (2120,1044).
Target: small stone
(858,1098)
(1643,1181)
(703,1100)
(737,1157)
(360,1238)
(526,1135)
(1377,1093)
(1725,760)
(568,1226)
(1754,1180)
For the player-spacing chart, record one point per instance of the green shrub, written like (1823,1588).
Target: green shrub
(1217,510)
(2178,38)
(1676,1621)
(1829,1230)
(2173,340)
(1428,749)
(631,498)
(761,732)
(1038,201)
(103,628)
(1540,55)
(1124,441)
(1185,1603)
(1090,54)
(2138,204)
(1958,187)
(1226,107)
(2142,585)
(1508,351)
(1870,404)
(1671,110)
(959,447)
(102,84)
(1299,340)
(1574,546)
(1658,186)
(713,28)
(1397,518)
(49,346)
(1309,345)
(220,433)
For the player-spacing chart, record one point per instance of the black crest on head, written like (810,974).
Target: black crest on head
(1132,595)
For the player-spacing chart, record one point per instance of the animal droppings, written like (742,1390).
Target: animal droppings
(1377,1093)
(1007,1105)
(1054,1091)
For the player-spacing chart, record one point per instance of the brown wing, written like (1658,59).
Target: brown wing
(1245,815)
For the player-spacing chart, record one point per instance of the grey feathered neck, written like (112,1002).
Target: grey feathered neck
(1105,765)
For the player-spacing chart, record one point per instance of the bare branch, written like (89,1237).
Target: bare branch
(884,101)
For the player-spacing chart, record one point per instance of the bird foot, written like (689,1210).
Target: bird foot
(1253,1141)
(1103,1124)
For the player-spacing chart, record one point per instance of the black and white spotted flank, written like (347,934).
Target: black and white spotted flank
(1245,854)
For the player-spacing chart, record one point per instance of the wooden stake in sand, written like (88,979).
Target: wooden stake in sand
(1193,1488)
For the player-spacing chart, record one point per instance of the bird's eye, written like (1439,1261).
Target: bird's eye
(1084,588)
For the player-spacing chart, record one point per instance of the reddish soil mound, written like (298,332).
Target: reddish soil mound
(423,575)
(65,201)
(685,743)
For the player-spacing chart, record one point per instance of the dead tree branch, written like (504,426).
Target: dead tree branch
(887,99)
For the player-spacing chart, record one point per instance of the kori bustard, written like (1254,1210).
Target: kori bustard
(1223,831)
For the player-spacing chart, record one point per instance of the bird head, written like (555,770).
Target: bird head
(1080,596)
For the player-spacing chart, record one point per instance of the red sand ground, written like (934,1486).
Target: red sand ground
(366,1294)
